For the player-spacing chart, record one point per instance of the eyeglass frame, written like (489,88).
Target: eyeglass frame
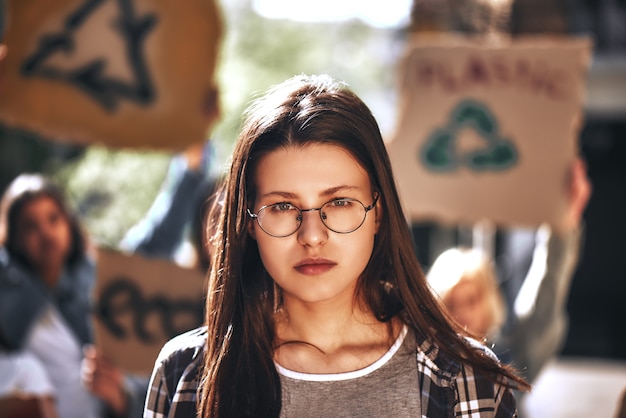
(255,216)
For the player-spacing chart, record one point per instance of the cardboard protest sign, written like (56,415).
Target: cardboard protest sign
(140,304)
(124,73)
(488,131)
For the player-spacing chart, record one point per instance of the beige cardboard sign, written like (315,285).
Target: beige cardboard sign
(488,131)
(124,73)
(140,304)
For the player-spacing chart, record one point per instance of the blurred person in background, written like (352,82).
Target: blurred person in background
(466,283)
(532,330)
(533,266)
(24,375)
(47,273)
(178,214)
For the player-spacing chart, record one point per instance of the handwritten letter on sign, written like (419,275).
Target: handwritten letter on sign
(140,304)
(125,73)
(488,131)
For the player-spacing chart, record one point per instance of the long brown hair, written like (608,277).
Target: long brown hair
(239,377)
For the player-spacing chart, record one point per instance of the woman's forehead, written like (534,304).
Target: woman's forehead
(320,168)
(40,203)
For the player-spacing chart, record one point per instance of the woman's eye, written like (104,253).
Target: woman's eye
(280,207)
(53,218)
(341,203)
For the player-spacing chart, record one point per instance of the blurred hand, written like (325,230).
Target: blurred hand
(193,156)
(211,106)
(103,379)
(579,191)
(211,110)
(3,51)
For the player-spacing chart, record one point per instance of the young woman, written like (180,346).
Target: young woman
(46,279)
(46,283)
(316,303)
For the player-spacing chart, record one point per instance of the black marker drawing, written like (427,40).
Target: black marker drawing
(122,297)
(90,78)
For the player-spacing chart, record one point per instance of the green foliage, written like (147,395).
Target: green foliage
(259,52)
(112,190)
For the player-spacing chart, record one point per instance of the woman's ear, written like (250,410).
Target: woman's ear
(378,210)
(251,229)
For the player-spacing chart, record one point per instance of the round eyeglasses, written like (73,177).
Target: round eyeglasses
(339,215)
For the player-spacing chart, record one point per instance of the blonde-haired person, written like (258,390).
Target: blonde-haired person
(529,329)
(465,279)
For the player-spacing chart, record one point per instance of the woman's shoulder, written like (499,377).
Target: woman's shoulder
(187,346)
(475,392)
(16,277)
(176,374)
(443,365)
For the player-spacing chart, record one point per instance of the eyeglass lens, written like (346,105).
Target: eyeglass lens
(340,215)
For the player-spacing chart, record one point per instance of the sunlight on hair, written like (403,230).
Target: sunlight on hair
(450,267)
(25,183)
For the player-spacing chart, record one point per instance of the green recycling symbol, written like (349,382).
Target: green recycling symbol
(439,151)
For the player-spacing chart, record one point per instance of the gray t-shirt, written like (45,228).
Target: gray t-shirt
(386,388)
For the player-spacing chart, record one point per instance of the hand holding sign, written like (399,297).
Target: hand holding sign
(104,379)
(579,191)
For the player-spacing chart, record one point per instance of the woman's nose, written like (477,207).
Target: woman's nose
(312,230)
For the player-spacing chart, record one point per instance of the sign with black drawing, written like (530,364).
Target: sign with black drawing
(140,304)
(124,73)
(488,130)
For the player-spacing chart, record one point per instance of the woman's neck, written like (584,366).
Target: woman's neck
(51,274)
(320,338)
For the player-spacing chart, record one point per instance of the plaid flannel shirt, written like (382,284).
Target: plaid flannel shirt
(448,388)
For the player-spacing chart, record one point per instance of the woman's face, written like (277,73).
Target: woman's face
(314,264)
(468,304)
(44,233)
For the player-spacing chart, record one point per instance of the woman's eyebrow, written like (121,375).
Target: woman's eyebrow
(337,189)
(328,192)
(284,195)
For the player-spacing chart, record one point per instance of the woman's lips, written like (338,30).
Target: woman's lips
(314,266)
